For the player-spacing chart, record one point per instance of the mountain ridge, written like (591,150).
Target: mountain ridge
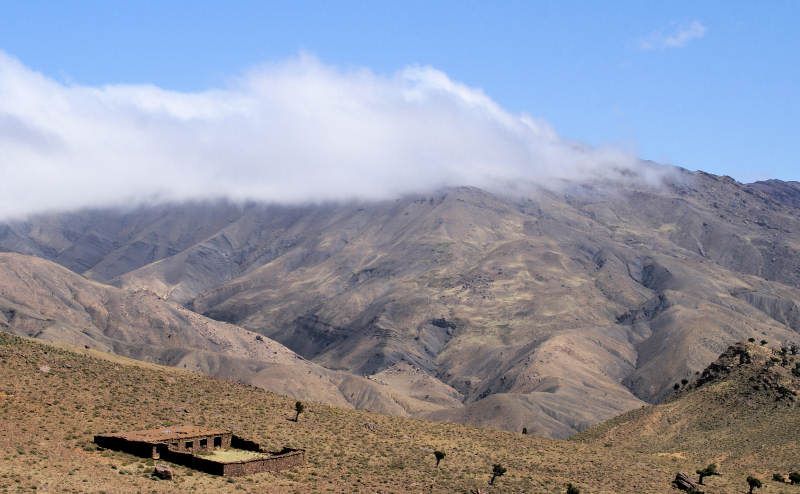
(598,292)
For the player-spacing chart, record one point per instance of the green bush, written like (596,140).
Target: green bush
(498,470)
(754,483)
(707,472)
(439,456)
(298,408)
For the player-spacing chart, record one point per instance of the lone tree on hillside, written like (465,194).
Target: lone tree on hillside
(571,489)
(439,456)
(497,471)
(754,483)
(794,477)
(298,408)
(707,472)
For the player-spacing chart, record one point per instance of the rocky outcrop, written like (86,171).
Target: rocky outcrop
(684,483)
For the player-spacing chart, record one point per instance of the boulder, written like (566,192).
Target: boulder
(685,483)
(163,472)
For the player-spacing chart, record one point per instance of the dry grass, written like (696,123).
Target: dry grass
(231,455)
(47,420)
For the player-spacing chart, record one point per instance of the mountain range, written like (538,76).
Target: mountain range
(551,309)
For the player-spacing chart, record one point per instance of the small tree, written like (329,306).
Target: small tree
(439,456)
(571,489)
(524,430)
(298,408)
(778,478)
(794,477)
(754,483)
(497,471)
(707,472)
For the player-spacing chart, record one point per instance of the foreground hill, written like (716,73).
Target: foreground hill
(551,310)
(54,398)
(742,412)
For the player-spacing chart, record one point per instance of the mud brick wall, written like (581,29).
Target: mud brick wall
(270,464)
(192,461)
(181,444)
(136,448)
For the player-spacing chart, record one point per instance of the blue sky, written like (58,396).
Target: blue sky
(704,85)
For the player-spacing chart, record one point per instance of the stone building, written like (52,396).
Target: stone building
(184,439)
(194,447)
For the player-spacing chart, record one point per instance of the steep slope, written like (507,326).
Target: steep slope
(55,398)
(44,300)
(550,310)
(742,412)
(106,243)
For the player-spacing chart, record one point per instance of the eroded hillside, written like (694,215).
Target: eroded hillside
(551,310)
(742,412)
(56,397)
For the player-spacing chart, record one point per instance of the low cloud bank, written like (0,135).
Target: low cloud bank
(291,132)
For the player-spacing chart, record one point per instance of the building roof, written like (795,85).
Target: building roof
(169,433)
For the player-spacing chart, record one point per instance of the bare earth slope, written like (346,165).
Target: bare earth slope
(41,299)
(742,412)
(546,310)
(53,399)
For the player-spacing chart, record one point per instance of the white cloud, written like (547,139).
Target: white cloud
(676,39)
(291,132)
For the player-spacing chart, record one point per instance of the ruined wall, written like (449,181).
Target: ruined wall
(180,455)
(136,448)
(270,464)
(182,445)
(192,461)
(235,469)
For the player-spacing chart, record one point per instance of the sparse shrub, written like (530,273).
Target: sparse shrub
(498,470)
(794,478)
(778,478)
(751,340)
(684,382)
(298,408)
(763,342)
(439,456)
(754,483)
(571,489)
(707,472)
(524,430)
